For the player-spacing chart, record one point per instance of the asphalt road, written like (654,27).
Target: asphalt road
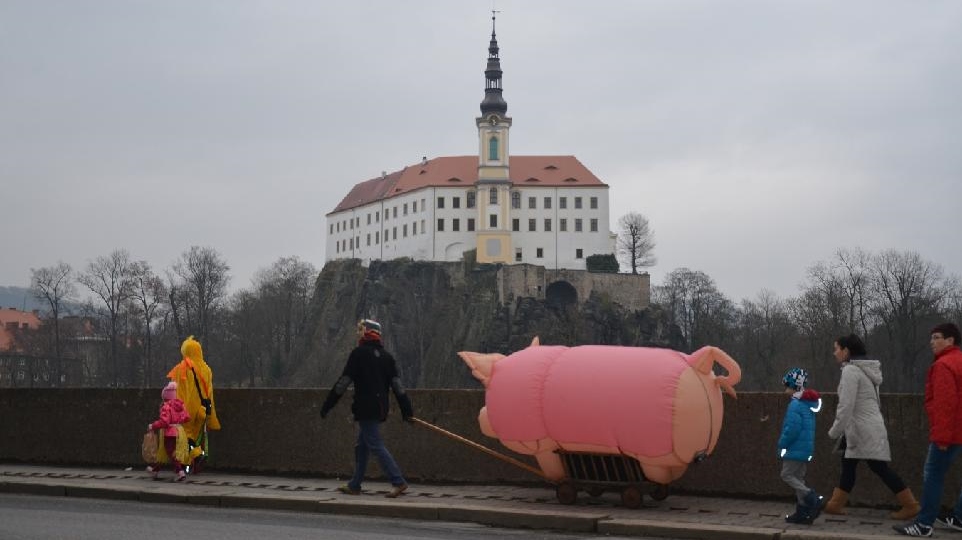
(28,517)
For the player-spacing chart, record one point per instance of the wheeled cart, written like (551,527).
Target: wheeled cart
(593,473)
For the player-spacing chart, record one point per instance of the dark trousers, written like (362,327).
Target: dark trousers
(881,468)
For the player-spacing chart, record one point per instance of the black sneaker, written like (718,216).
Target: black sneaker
(913,529)
(950,522)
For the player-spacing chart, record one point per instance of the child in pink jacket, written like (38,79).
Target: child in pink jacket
(172,415)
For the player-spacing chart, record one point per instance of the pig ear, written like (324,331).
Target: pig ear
(704,359)
(535,342)
(481,364)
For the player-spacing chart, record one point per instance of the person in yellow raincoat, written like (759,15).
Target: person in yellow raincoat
(195,387)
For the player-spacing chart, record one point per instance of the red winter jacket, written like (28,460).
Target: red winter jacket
(943,397)
(172,412)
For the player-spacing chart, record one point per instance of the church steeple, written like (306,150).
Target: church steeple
(493,100)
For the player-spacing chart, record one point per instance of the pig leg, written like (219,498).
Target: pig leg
(551,466)
(658,474)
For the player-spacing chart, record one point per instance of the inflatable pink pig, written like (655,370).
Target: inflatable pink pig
(659,406)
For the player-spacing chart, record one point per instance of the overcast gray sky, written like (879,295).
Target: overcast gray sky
(757,136)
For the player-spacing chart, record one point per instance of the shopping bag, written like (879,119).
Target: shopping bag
(149,447)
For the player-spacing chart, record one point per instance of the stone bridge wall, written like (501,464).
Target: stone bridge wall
(280,431)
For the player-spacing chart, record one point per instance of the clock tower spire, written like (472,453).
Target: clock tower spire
(493,189)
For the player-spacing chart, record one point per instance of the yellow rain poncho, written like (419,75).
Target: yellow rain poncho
(195,388)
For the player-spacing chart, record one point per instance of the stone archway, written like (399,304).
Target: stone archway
(561,294)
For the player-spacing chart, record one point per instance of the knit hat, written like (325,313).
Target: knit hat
(370,330)
(795,378)
(169,391)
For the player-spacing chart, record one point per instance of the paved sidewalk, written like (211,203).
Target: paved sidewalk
(678,516)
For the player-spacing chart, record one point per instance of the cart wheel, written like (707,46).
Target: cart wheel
(567,494)
(631,497)
(660,492)
(595,491)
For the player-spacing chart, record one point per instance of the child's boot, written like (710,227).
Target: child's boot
(836,505)
(815,503)
(802,515)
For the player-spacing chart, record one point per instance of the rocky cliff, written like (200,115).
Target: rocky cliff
(432,310)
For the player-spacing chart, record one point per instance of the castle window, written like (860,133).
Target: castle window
(414,207)
(471,196)
(563,203)
(493,148)
(578,227)
(515,199)
(515,225)
(404,230)
(455,202)
(517,254)
(539,253)
(423,228)
(377,237)
(332,229)
(493,221)
(547,203)
(594,225)
(440,225)
(368,238)
(493,196)
(563,225)
(532,225)
(578,203)
(532,203)
(547,225)
(405,209)
(579,253)
(440,202)
(470,224)
(455,224)
(594,203)
(394,232)
(395,213)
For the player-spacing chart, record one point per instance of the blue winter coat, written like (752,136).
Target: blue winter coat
(798,430)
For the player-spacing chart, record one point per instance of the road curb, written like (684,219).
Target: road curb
(696,531)
(567,521)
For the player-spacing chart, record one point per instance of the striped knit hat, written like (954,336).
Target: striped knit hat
(369,330)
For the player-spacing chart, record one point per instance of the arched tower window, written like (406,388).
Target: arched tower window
(493,196)
(515,199)
(493,148)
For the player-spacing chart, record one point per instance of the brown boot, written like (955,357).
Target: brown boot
(836,505)
(910,507)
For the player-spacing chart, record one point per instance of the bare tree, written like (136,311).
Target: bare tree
(109,278)
(701,312)
(201,290)
(148,294)
(636,241)
(54,285)
(908,295)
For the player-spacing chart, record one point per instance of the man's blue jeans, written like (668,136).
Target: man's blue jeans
(936,466)
(369,441)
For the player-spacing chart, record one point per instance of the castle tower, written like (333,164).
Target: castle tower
(493,188)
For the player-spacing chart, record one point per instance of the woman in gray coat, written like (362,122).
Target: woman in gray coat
(861,428)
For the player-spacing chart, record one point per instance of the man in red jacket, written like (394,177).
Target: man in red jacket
(943,406)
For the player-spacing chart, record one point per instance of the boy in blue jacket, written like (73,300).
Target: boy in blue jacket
(797,443)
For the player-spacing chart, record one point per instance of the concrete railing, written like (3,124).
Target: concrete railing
(280,431)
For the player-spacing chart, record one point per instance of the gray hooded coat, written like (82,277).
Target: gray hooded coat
(859,416)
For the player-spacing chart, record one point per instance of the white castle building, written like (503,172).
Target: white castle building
(549,211)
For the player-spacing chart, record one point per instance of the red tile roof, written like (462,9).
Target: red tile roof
(16,318)
(449,171)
